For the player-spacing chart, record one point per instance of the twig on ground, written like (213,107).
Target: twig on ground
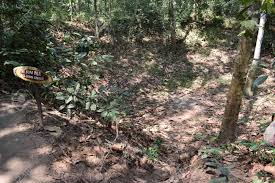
(109,149)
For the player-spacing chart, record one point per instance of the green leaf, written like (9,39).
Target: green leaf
(254,147)
(113,103)
(75,99)
(77,87)
(70,106)
(66,50)
(81,55)
(104,114)
(76,34)
(257,180)
(249,25)
(245,2)
(67,37)
(260,80)
(107,58)
(96,77)
(94,63)
(93,107)
(62,107)
(93,94)
(69,99)
(88,104)
(23,50)
(268,6)
(60,96)
(113,115)
(13,63)
(67,60)
(69,112)
(100,110)
(242,33)
(264,65)
(70,90)
(84,65)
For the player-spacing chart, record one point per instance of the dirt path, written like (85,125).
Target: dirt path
(186,119)
(24,155)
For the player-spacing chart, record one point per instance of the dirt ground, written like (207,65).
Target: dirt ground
(23,153)
(185,119)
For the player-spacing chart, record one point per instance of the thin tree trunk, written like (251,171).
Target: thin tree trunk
(110,6)
(173,22)
(249,90)
(12,4)
(235,94)
(1,28)
(78,5)
(105,6)
(2,45)
(111,28)
(45,5)
(196,12)
(96,20)
(1,32)
(89,6)
(71,10)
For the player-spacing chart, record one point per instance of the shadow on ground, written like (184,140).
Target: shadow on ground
(24,155)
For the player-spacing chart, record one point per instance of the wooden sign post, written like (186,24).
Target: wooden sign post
(37,77)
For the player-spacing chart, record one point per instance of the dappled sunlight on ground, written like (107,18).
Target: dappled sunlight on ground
(24,157)
(175,95)
(12,130)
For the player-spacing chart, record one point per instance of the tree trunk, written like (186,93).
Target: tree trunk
(2,45)
(12,4)
(78,6)
(45,3)
(235,94)
(1,28)
(251,76)
(96,20)
(105,6)
(110,6)
(71,10)
(173,22)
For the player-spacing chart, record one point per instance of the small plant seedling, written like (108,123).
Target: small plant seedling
(153,151)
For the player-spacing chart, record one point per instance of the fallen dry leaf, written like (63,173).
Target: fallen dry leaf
(118,147)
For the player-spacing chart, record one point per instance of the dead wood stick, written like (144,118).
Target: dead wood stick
(109,149)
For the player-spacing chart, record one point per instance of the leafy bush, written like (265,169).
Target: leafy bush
(121,25)
(149,21)
(144,20)
(27,46)
(260,151)
(78,92)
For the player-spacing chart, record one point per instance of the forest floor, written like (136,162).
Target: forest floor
(173,101)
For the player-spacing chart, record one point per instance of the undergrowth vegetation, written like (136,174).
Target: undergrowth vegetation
(159,69)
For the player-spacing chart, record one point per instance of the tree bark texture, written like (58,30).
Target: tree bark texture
(235,94)
(1,30)
(173,22)
(96,20)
